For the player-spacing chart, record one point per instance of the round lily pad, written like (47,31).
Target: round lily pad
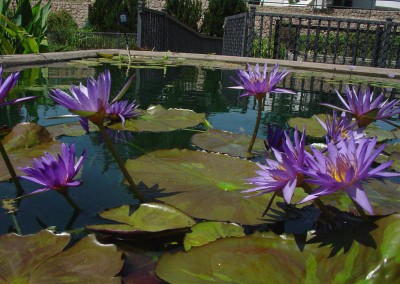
(25,142)
(149,217)
(225,142)
(158,119)
(268,258)
(374,131)
(313,127)
(207,232)
(40,258)
(70,129)
(203,185)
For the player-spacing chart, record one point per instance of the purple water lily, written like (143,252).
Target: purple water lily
(122,110)
(275,137)
(55,173)
(259,84)
(7,85)
(345,167)
(284,174)
(90,102)
(340,127)
(364,108)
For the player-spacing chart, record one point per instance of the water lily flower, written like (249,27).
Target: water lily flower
(259,84)
(286,172)
(364,108)
(338,128)
(55,173)
(122,110)
(275,137)
(345,167)
(7,85)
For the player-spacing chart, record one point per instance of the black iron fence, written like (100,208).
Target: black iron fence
(77,40)
(315,39)
(161,32)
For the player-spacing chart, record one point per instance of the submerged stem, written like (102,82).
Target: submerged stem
(17,227)
(11,169)
(253,138)
(121,165)
(70,200)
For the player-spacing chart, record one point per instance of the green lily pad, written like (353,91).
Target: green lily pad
(70,129)
(203,185)
(84,63)
(268,258)
(313,128)
(40,258)
(207,232)
(384,198)
(227,143)
(25,142)
(158,119)
(149,217)
(381,134)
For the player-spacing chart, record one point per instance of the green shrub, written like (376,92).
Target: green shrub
(187,11)
(103,15)
(217,11)
(61,29)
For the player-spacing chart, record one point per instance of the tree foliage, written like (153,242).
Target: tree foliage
(217,11)
(103,15)
(187,11)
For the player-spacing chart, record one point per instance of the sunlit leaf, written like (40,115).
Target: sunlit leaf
(70,129)
(367,253)
(149,217)
(25,142)
(203,185)
(40,258)
(207,232)
(227,143)
(313,127)
(374,131)
(158,119)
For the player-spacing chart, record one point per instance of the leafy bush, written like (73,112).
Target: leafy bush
(61,29)
(217,11)
(103,15)
(186,11)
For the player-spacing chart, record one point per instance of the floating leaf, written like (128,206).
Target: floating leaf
(25,142)
(40,258)
(158,119)
(313,128)
(70,129)
(149,217)
(84,63)
(374,131)
(227,143)
(207,232)
(203,185)
(269,258)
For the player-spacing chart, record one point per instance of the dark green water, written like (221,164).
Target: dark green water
(202,90)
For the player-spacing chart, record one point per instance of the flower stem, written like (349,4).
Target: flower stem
(269,203)
(69,200)
(11,169)
(17,227)
(253,138)
(321,206)
(121,165)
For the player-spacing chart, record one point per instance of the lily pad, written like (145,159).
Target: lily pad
(268,258)
(158,119)
(203,185)
(149,217)
(70,129)
(227,143)
(207,232)
(40,258)
(313,128)
(25,142)
(374,131)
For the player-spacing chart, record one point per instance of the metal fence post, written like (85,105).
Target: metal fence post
(250,31)
(385,42)
(139,25)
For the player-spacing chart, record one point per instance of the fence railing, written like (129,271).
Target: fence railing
(317,39)
(77,40)
(161,32)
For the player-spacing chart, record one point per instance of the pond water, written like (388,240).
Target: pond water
(204,90)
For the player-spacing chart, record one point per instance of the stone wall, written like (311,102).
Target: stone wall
(160,4)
